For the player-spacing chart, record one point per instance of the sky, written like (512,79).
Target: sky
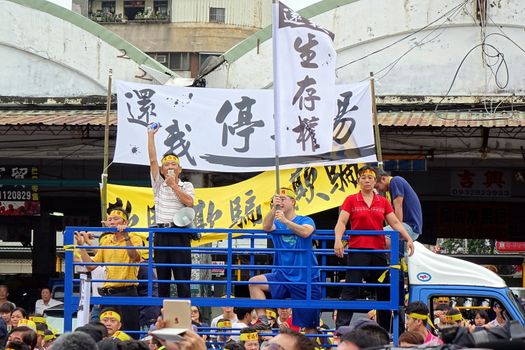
(299,4)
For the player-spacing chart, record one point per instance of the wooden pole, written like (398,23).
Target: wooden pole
(376,123)
(104,189)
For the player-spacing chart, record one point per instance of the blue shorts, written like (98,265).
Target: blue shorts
(308,318)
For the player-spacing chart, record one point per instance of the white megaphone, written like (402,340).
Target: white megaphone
(184,217)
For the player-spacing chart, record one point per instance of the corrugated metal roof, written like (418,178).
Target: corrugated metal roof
(50,117)
(395,119)
(452,119)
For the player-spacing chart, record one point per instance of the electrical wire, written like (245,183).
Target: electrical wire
(406,36)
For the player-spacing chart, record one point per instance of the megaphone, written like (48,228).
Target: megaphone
(184,217)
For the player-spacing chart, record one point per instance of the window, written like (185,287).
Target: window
(108,7)
(217,14)
(134,9)
(172,60)
(179,61)
(161,9)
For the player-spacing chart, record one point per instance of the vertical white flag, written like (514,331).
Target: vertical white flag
(304,83)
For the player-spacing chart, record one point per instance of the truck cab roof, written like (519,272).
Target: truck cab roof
(428,268)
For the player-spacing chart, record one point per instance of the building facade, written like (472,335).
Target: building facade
(449,84)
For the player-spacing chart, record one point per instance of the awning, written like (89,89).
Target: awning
(387,119)
(451,119)
(56,117)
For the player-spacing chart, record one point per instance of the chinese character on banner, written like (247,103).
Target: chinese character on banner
(304,110)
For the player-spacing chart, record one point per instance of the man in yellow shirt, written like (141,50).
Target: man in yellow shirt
(117,218)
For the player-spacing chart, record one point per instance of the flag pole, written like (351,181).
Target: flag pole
(104,190)
(376,123)
(276,92)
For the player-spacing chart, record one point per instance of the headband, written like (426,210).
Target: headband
(170,158)
(120,213)
(28,323)
(368,172)
(49,337)
(38,319)
(224,324)
(287,192)
(112,314)
(249,336)
(455,318)
(270,313)
(422,317)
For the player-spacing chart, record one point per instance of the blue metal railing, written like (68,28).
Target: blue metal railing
(233,237)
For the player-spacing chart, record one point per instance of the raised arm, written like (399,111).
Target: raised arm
(152,153)
(268,220)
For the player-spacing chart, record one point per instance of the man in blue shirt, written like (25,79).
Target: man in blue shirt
(296,251)
(404,201)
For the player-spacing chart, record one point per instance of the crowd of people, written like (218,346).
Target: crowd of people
(247,328)
(244,329)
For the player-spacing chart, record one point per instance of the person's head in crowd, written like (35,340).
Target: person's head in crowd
(4,292)
(441,301)
(108,344)
(291,340)
(133,344)
(196,314)
(498,309)
(5,312)
(225,326)
(439,314)
(244,314)
(101,327)
(410,339)
(111,320)
(28,323)
(481,318)
(367,336)
(40,334)
(453,317)
(93,331)
(49,338)
(284,313)
(74,341)
(233,346)
(417,317)
(383,180)
(45,294)
(23,334)
(154,344)
(249,338)
(17,314)
(117,214)
(271,315)
(16,345)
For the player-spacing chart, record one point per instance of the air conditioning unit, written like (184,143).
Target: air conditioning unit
(162,58)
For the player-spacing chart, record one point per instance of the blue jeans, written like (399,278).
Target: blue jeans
(407,227)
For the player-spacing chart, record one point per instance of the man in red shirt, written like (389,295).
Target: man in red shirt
(366,210)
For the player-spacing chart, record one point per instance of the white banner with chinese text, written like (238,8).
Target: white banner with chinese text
(304,83)
(232,130)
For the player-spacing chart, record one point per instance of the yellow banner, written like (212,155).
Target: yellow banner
(244,204)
